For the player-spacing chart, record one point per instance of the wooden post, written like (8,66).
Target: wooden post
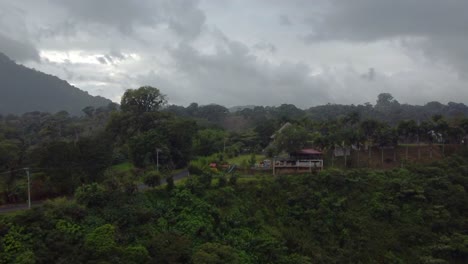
(274,163)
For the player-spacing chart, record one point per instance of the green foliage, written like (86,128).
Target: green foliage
(208,142)
(136,254)
(200,166)
(91,195)
(101,241)
(170,247)
(15,247)
(170,183)
(222,181)
(144,148)
(252,160)
(233,180)
(215,253)
(415,214)
(292,138)
(152,178)
(143,99)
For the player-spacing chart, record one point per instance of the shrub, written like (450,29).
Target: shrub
(90,195)
(152,178)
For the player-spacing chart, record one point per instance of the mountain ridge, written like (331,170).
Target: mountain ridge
(23,89)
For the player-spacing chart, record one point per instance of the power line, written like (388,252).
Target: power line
(7,172)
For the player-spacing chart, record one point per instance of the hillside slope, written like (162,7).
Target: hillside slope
(25,90)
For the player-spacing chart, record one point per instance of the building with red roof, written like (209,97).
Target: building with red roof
(301,161)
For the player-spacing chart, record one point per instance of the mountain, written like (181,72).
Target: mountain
(240,108)
(25,90)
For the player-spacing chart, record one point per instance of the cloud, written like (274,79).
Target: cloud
(284,20)
(247,52)
(182,16)
(436,27)
(265,46)
(232,75)
(18,51)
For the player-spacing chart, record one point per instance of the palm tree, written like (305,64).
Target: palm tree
(441,128)
(426,129)
(464,126)
(407,129)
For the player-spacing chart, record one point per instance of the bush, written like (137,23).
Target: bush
(101,241)
(90,195)
(222,181)
(136,254)
(214,253)
(152,178)
(233,180)
(198,167)
(170,183)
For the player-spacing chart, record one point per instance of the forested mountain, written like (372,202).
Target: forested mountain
(26,90)
(386,109)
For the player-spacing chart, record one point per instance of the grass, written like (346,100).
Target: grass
(239,159)
(123,167)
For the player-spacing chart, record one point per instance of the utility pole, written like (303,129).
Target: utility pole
(224,148)
(157,158)
(29,188)
(274,162)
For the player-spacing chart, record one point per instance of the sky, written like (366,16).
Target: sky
(247,52)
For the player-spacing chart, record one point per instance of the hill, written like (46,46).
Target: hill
(24,90)
(415,214)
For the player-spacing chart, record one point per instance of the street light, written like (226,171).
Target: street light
(157,158)
(29,188)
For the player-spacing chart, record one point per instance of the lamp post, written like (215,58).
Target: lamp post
(29,188)
(157,158)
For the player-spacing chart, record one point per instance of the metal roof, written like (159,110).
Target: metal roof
(308,151)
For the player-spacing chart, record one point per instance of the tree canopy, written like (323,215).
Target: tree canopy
(143,99)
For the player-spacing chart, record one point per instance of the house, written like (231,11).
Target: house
(304,160)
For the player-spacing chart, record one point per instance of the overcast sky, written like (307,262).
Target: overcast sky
(243,52)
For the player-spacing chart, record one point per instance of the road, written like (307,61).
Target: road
(176,176)
(17,207)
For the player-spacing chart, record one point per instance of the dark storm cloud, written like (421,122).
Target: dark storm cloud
(368,20)
(182,16)
(233,76)
(437,27)
(246,52)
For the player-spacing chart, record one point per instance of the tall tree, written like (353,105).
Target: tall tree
(292,138)
(407,129)
(143,99)
(369,127)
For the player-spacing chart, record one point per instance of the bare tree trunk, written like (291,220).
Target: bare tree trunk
(345,158)
(407,151)
(394,153)
(333,159)
(358,150)
(370,155)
